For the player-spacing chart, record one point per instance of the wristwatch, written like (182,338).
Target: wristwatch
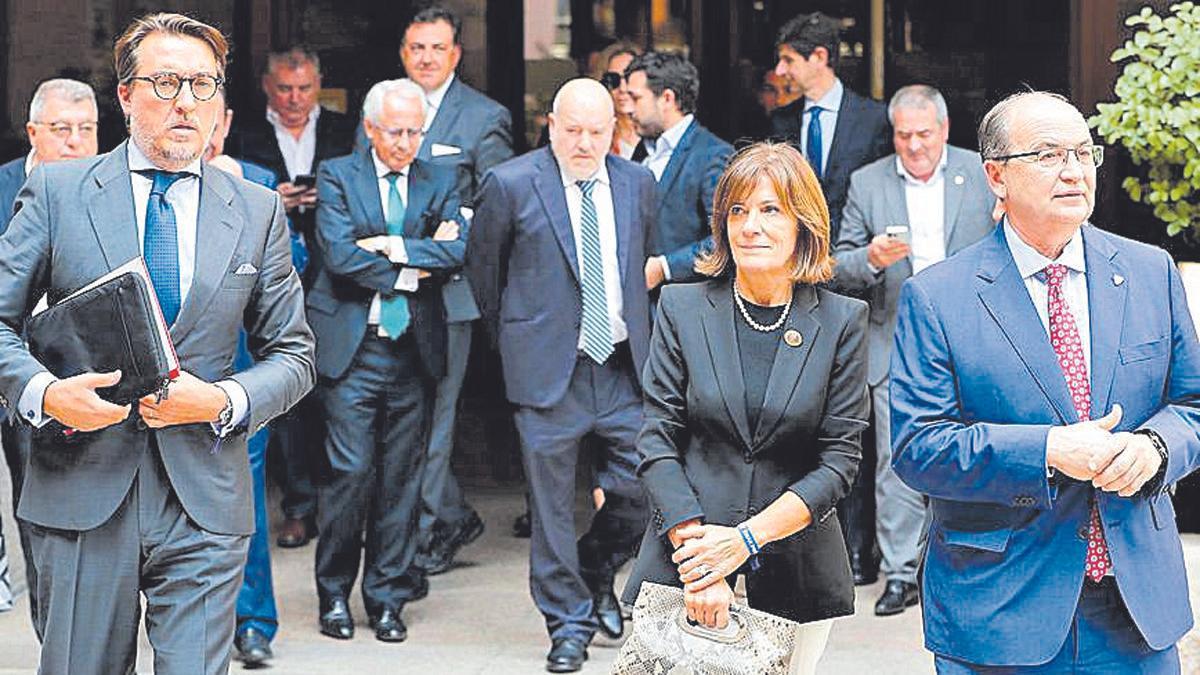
(1155,484)
(226,415)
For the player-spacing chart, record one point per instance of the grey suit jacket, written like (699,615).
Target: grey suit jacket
(12,177)
(876,200)
(75,221)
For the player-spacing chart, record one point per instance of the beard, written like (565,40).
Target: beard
(160,151)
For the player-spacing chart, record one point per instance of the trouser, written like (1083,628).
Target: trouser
(899,510)
(603,400)
(88,585)
(378,418)
(298,434)
(1103,640)
(442,499)
(811,638)
(15,439)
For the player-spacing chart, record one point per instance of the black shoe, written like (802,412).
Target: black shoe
(388,626)
(444,548)
(522,527)
(296,532)
(421,589)
(865,572)
(896,596)
(253,648)
(566,655)
(336,621)
(608,612)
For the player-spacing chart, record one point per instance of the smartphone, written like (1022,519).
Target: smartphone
(305,180)
(900,232)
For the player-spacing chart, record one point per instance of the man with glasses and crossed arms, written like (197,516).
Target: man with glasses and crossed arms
(1045,392)
(151,499)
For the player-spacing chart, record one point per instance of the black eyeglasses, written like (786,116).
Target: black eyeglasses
(1054,158)
(168,85)
(612,80)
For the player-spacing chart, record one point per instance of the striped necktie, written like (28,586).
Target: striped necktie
(160,243)
(394,316)
(597,330)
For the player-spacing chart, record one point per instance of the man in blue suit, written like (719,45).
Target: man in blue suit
(685,158)
(1045,393)
(389,230)
(556,263)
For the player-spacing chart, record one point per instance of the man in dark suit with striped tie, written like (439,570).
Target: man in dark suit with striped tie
(556,262)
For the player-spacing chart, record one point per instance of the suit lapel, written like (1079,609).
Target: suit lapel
(420,190)
(366,191)
(954,182)
(622,214)
(789,362)
(550,191)
(896,199)
(447,116)
(1106,308)
(721,337)
(218,228)
(846,125)
(675,165)
(1003,292)
(111,209)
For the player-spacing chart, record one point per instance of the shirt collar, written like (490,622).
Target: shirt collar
(313,115)
(1030,261)
(672,136)
(138,161)
(382,170)
(434,98)
(937,171)
(601,175)
(831,101)
(29,162)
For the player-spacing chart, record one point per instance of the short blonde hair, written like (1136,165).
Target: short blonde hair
(800,196)
(125,49)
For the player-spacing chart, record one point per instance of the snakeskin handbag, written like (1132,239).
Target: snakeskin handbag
(664,642)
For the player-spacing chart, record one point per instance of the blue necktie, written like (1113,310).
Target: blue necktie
(393,309)
(813,146)
(160,245)
(597,331)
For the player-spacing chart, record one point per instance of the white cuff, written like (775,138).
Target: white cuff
(30,403)
(241,405)
(407,280)
(666,269)
(396,251)
(874,269)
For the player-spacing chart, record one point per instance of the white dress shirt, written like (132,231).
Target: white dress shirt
(1030,262)
(926,203)
(184,198)
(602,199)
(298,153)
(433,101)
(830,103)
(407,278)
(659,150)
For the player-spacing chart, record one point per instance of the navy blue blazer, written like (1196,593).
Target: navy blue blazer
(12,177)
(522,265)
(685,200)
(340,298)
(975,388)
(862,136)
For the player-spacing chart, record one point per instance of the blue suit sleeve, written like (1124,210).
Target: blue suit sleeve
(682,261)
(428,254)
(487,251)
(934,450)
(335,236)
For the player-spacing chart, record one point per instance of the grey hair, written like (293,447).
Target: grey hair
(73,91)
(993,129)
(293,59)
(373,103)
(916,96)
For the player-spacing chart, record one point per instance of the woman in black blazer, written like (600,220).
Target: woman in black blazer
(755,392)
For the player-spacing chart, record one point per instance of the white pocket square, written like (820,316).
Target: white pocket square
(246,268)
(439,150)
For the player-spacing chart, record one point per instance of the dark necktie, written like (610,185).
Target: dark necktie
(597,331)
(160,245)
(394,316)
(1068,347)
(639,152)
(812,146)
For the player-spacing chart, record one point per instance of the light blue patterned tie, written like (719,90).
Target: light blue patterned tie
(813,148)
(160,245)
(393,309)
(597,331)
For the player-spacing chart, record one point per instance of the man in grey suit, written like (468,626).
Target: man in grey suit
(470,133)
(155,500)
(904,213)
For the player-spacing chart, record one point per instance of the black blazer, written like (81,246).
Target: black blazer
(862,136)
(700,458)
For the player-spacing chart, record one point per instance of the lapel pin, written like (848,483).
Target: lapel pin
(959,180)
(1118,280)
(793,338)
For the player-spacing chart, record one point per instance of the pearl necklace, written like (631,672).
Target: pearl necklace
(737,298)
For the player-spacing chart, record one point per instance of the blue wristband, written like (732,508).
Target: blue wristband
(751,544)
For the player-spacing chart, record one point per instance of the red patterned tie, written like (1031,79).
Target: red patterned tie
(1064,336)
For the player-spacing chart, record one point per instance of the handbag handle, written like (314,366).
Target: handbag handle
(730,634)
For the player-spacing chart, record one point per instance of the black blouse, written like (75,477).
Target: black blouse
(756,349)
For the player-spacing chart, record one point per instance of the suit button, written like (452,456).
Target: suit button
(749,459)
(141,424)
(1083,533)
(753,510)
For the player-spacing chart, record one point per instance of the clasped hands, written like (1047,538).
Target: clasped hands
(447,230)
(1119,462)
(73,401)
(705,556)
